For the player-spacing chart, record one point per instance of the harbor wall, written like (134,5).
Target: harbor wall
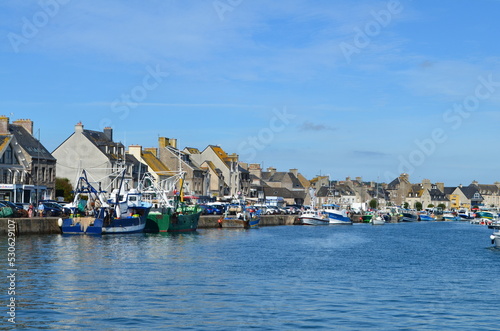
(48,225)
(27,226)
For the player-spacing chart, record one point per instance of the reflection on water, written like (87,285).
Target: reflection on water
(397,276)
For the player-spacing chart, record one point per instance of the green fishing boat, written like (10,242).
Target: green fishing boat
(171,214)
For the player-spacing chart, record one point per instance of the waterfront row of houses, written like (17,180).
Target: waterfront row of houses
(28,173)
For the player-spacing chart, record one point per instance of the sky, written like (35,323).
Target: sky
(365,89)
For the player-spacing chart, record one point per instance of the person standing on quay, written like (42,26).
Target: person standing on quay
(41,208)
(30,211)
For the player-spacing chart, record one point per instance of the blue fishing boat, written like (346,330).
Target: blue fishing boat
(335,215)
(124,212)
(82,219)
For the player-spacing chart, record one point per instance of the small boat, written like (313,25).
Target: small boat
(248,218)
(465,215)
(451,216)
(409,216)
(335,215)
(377,220)
(484,218)
(313,217)
(495,236)
(425,217)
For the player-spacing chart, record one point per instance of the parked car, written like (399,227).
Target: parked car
(55,205)
(211,210)
(18,211)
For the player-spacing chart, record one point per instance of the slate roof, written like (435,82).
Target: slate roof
(31,145)
(470,191)
(279,177)
(283,192)
(154,163)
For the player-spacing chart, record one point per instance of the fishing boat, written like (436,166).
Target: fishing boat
(92,213)
(313,217)
(366,217)
(246,219)
(126,212)
(83,218)
(169,213)
(335,215)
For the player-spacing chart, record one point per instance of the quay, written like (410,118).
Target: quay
(48,225)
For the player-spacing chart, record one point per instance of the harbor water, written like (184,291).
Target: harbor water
(402,276)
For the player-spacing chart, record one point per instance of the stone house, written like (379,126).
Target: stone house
(235,175)
(27,169)
(196,179)
(104,160)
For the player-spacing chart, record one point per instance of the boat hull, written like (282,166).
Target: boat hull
(338,219)
(495,239)
(310,220)
(183,222)
(81,226)
(407,217)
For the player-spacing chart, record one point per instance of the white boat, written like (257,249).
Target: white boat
(335,215)
(377,220)
(495,236)
(313,217)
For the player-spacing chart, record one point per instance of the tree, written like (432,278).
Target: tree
(442,206)
(373,204)
(430,206)
(64,189)
(406,205)
(418,205)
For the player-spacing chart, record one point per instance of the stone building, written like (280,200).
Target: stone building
(27,169)
(103,159)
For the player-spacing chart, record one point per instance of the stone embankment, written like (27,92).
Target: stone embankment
(48,225)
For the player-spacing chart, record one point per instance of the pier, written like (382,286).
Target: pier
(48,225)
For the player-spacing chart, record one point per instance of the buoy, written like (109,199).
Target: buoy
(60,222)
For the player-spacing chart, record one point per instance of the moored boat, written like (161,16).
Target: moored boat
(377,220)
(313,217)
(335,215)
(171,213)
(247,219)
(409,216)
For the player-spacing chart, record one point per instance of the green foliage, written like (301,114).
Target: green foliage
(430,205)
(442,206)
(418,205)
(406,205)
(373,204)
(64,189)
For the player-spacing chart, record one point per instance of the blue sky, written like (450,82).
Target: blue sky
(370,89)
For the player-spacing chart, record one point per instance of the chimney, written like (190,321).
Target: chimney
(26,124)
(162,142)
(4,125)
(173,143)
(152,150)
(295,172)
(136,151)
(108,132)
(79,127)
(271,170)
